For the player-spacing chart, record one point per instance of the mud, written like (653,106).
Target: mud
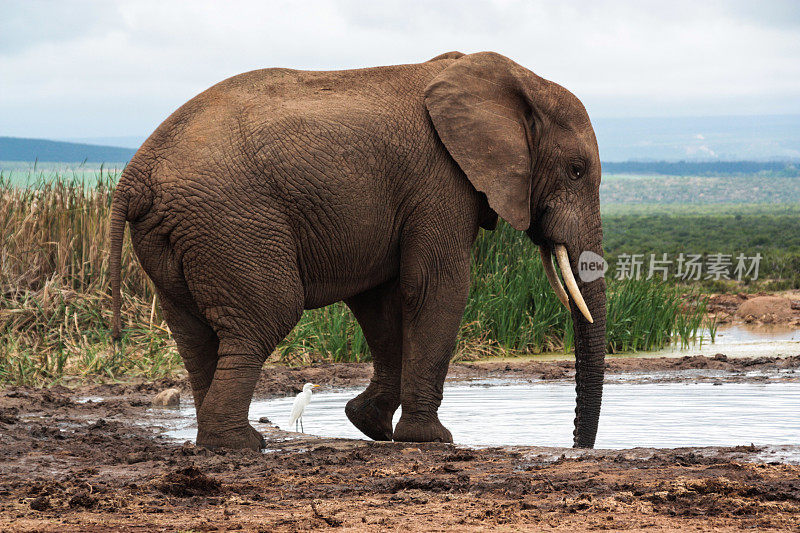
(68,464)
(280,380)
(766,309)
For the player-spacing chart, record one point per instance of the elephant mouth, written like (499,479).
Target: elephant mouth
(562,257)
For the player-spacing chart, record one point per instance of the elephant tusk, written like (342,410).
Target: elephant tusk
(569,280)
(552,277)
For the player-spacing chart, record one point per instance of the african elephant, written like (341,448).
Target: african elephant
(279,190)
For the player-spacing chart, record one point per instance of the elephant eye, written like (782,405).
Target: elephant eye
(577,171)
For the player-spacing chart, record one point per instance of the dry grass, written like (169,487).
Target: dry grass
(54,289)
(55,303)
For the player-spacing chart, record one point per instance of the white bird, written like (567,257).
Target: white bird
(300,403)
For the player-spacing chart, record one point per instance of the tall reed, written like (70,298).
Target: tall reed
(55,301)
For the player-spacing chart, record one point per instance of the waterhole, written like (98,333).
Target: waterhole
(742,340)
(494,412)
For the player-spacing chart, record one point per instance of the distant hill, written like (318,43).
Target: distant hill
(20,149)
(718,139)
(123,141)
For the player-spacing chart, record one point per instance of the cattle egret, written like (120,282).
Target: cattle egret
(300,403)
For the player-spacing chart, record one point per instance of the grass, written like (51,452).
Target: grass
(771,230)
(55,299)
(512,304)
(54,303)
(700,190)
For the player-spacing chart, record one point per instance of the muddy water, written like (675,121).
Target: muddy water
(738,341)
(639,410)
(741,340)
(492,412)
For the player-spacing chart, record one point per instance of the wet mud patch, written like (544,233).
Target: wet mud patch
(188,481)
(67,464)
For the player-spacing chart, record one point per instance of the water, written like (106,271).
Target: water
(738,341)
(743,340)
(660,415)
(23,173)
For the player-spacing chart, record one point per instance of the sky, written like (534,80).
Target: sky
(84,68)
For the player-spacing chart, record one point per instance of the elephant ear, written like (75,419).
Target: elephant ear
(480,111)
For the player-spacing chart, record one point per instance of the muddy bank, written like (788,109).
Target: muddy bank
(768,309)
(67,464)
(688,368)
(279,380)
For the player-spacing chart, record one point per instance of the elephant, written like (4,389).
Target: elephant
(281,190)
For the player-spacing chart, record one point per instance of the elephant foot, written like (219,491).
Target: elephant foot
(410,429)
(372,414)
(240,438)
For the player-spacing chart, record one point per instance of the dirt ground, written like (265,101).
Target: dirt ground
(782,308)
(71,465)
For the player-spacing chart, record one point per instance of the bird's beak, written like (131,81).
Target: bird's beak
(315,386)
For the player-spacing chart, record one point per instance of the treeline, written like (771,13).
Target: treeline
(704,168)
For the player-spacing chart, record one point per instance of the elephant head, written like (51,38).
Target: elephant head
(528,145)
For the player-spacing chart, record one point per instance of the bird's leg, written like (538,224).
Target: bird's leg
(301,425)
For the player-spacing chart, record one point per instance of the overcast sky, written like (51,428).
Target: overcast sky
(72,69)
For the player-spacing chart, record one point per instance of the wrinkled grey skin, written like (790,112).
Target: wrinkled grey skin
(278,190)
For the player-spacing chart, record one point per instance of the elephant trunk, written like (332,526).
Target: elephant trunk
(587,304)
(590,346)
(589,322)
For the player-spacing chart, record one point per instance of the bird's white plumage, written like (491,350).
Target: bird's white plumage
(300,403)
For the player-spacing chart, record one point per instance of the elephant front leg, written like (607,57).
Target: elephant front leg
(433,305)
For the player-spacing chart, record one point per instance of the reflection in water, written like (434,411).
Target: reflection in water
(739,341)
(649,415)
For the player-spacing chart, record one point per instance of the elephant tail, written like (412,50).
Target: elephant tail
(119,217)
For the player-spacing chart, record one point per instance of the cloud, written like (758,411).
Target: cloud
(112,67)
(29,23)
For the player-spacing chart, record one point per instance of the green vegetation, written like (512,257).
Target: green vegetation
(770,230)
(732,215)
(698,190)
(55,302)
(512,305)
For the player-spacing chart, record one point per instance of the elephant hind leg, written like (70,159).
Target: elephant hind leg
(251,311)
(222,420)
(196,340)
(378,313)
(197,343)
